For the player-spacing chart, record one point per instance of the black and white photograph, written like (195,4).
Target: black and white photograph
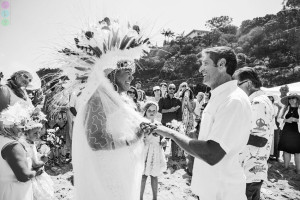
(150,100)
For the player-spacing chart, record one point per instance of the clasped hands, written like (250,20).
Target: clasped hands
(149,128)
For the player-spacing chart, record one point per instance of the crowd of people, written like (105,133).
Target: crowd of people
(116,136)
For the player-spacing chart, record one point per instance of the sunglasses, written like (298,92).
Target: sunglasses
(27,77)
(241,83)
(183,86)
(172,88)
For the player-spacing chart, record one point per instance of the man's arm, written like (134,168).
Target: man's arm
(209,151)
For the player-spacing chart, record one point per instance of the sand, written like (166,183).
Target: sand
(281,184)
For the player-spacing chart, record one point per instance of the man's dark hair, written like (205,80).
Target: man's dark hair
(248,73)
(217,53)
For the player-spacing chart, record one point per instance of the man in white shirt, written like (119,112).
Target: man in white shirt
(255,155)
(224,131)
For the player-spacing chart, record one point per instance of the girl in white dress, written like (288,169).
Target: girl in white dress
(42,185)
(155,162)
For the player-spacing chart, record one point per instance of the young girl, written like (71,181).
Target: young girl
(42,185)
(155,162)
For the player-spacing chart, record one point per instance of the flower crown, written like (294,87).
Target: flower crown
(22,116)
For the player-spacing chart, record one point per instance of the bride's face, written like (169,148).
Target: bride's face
(123,79)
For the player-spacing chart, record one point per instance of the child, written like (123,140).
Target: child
(42,185)
(155,162)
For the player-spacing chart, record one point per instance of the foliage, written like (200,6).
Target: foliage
(218,22)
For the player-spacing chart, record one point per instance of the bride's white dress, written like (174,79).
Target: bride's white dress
(107,147)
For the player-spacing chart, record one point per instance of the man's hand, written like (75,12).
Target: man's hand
(163,131)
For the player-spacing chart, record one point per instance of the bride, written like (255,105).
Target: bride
(107,139)
(107,144)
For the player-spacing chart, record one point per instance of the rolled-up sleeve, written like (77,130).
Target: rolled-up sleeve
(229,125)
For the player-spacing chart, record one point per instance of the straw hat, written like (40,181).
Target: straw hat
(285,100)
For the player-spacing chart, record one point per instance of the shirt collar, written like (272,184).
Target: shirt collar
(256,94)
(218,90)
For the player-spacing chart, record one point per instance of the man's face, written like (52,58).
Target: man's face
(123,79)
(209,71)
(171,89)
(138,86)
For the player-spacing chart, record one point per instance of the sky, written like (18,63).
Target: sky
(38,27)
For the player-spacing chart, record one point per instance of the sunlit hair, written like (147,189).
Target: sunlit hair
(248,73)
(147,106)
(217,53)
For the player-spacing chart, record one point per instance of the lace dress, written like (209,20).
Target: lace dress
(155,162)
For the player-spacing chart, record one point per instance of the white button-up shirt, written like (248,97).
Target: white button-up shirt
(227,121)
(254,159)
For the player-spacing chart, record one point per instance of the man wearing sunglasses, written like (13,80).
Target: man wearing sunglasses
(255,155)
(224,131)
(170,107)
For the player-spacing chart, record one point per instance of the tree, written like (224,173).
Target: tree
(168,34)
(288,4)
(218,22)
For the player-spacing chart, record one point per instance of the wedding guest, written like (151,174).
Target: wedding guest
(274,154)
(181,88)
(13,91)
(164,89)
(170,108)
(155,162)
(133,94)
(255,155)
(188,107)
(290,130)
(42,185)
(15,171)
(199,102)
(141,93)
(157,96)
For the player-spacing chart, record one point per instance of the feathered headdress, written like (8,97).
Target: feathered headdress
(102,48)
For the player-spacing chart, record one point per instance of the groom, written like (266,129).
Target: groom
(224,131)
